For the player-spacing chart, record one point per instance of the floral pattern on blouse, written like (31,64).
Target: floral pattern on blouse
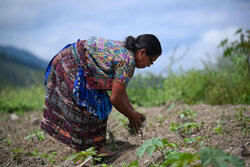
(109,59)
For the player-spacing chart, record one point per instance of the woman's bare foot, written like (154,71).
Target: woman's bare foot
(103,150)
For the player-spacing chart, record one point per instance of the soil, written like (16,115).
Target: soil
(233,137)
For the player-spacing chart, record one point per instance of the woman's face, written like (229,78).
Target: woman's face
(142,60)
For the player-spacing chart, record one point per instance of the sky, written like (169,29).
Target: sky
(189,31)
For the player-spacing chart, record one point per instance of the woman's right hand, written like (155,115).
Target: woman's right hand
(136,121)
(120,101)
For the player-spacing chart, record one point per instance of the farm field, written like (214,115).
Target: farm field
(223,127)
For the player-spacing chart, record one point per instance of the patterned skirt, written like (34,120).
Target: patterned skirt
(63,119)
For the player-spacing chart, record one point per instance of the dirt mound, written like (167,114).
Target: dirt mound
(222,127)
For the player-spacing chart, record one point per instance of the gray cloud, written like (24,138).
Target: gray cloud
(45,26)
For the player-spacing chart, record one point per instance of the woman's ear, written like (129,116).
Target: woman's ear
(143,52)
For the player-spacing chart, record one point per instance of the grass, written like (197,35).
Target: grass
(19,100)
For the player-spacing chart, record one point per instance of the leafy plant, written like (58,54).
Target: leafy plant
(218,129)
(132,164)
(150,146)
(49,157)
(17,153)
(8,141)
(84,155)
(186,128)
(38,133)
(174,127)
(178,159)
(242,119)
(187,113)
(161,119)
(192,140)
(218,158)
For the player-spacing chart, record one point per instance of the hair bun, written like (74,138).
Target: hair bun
(130,43)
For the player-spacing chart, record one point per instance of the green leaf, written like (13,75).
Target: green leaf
(219,158)
(151,150)
(132,164)
(223,43)
(238,31)
(180,159)
(236,161)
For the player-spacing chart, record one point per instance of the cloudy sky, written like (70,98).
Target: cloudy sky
(194,27)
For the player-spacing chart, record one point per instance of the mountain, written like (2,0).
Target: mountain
(20,68)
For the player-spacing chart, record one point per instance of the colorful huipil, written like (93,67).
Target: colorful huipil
(76,103)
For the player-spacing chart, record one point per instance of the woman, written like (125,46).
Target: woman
(77,104)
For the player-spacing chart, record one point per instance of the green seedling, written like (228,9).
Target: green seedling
(242,119)
(17,153)
(187,128)
(218,158)
(121,119)
(178,159)
(89,153)
(131,164)
(38,133)
(218,129)
(193,140)
(8,141)
(187,113)
(49,157)
(174,127)
(170,107)
(161,119)
(150,146)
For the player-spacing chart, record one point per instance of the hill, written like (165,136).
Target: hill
(20,68)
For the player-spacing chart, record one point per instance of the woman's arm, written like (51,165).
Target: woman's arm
(120,101)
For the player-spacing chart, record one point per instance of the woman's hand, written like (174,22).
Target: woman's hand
(136,121)
(120,101)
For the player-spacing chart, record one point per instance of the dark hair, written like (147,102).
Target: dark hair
(144,41)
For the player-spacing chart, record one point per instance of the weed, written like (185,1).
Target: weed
(161,119)
(218,129)
(17,153)
(131,164)
(49,157)
(150,146)
(8,141)
(187,128)
(178,159)
(210,156)
(193,140)
(38,133)
(187,113)
(87,154)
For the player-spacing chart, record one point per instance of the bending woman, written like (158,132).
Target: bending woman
(77,104)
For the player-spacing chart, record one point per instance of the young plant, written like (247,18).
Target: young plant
(218,158)
(131,164)
(8,141)
(242,119)
(178,159)
(17,153)
(38,133)
(49,157)
(174,127)
(161,119)
(218,129)
(187,113)
(187,128)
(150,146)
(89,153)
(193,140)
